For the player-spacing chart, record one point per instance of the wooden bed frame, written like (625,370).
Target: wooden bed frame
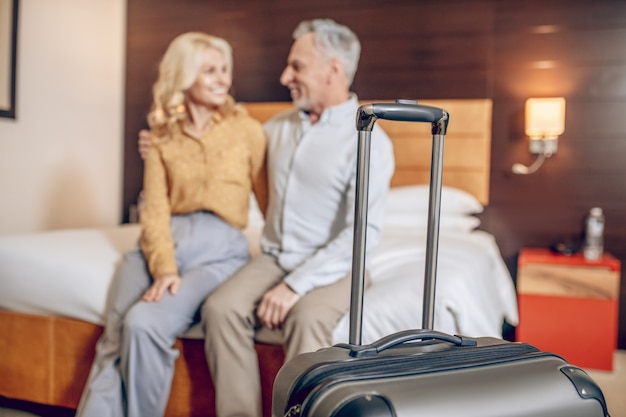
(46,359)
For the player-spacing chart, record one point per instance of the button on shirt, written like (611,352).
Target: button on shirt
(312,190)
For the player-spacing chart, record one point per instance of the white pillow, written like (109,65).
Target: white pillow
(457,222)
(414,199)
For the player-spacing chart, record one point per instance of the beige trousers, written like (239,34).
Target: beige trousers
(231,325)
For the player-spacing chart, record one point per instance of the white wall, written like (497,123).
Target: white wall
(61,159)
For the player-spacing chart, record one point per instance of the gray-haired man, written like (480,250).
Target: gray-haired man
(300,286)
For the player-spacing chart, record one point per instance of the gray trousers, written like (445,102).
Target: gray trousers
(231,326)
(132,372)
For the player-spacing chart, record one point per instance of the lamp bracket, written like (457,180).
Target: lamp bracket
(525,170)
(543,146)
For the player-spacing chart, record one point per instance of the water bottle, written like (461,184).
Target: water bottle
(594,234)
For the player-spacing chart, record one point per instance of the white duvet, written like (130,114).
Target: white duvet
(474,293)
(67,273)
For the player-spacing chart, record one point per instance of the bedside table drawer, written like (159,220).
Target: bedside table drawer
(569,306)
(570,281)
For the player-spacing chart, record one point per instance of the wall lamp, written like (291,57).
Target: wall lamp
(545,121)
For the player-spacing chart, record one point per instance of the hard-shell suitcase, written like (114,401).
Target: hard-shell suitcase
(424,372)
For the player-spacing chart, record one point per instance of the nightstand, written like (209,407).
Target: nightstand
(569,306)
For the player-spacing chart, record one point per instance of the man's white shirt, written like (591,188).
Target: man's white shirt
(312,180)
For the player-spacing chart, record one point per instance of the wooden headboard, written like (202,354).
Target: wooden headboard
(467,147)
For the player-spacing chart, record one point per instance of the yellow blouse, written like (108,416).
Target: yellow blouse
(214,173)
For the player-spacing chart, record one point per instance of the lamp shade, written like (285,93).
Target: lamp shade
(545,117)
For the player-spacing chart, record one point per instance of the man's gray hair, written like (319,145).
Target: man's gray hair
(334,40)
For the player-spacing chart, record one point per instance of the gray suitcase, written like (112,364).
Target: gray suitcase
(424,372)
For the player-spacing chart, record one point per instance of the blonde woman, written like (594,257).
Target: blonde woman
(206,156)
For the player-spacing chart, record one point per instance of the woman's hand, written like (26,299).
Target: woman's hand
(144,143)
(159,286)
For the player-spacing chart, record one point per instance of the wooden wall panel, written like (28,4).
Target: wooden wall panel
(573,49)
(503,50)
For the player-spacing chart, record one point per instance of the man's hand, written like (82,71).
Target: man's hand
(160,285)
(275,305)
(144,143)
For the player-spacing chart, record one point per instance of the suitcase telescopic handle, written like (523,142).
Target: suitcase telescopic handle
(407,111)
(373,349)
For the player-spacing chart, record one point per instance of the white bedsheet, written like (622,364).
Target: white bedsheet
(67,273)
(62,273)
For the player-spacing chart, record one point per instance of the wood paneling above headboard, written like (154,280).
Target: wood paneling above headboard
(467,147)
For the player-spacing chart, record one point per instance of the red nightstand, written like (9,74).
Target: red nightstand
(569,306)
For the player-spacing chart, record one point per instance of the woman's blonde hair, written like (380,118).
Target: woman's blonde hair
(178,70)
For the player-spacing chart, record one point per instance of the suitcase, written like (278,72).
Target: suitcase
(424,372)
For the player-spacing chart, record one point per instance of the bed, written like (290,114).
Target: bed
(53,284)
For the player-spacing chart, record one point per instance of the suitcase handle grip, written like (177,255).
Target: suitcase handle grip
(408,111)
(402,111)
(398,338)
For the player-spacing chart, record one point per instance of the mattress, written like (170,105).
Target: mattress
(68,272)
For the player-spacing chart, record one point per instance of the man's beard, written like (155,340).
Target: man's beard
(302,103)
